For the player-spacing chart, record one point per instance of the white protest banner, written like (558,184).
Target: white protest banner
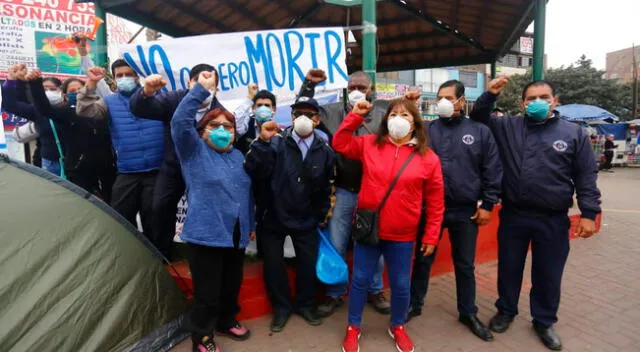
(275,60)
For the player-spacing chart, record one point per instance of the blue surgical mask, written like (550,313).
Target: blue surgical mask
(72,98)
(126,84)
(220,138)
(538,110)
(264,114)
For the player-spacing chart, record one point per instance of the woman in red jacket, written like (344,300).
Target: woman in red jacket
(401,133)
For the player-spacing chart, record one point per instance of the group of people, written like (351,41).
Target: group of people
(247,179)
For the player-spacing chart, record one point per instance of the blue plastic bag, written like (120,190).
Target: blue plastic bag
(331,269)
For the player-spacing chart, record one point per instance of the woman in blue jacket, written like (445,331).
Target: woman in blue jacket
(220,218)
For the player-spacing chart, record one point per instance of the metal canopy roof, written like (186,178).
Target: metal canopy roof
(412,34)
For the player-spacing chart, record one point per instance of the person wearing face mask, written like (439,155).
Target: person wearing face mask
(220,219)
(260,107)
(297,167)
(14,100)
(153,103)
(138,143)
(348,178)
(472,174)
(401,176)
(88,159)
(546,160)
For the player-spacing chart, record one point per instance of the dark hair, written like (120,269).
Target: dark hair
(265,94)
(56,82)
(538,83)
(419,132)
(497,109)
(212,114)
(68,81)
(199,68)
(453,83)
(119,63)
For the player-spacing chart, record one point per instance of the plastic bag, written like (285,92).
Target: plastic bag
(25,133)
(331,269)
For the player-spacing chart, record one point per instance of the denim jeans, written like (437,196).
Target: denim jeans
(398,256)
(340,234)
(51,166)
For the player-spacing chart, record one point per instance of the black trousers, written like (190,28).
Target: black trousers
(217,277)
(608,159)
(133,193)
(168,190)
(305,244)
(97,179)
(463,235)
(549,239)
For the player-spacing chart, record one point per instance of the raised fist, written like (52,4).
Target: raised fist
(18,71)
(496,86)
(252,89)
(152,84)
(316,75)
(33,75)
(95,74)
(362,107)
(268,130)
(207,80)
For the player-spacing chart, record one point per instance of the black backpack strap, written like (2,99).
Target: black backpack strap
(395,180)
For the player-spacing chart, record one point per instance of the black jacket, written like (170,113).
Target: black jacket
(544,162)
(87,141)
(298,192)
(470,163)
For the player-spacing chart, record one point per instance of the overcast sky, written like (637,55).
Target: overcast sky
(590,27)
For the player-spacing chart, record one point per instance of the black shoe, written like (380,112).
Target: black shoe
(549,337)
(379,302)
(476,326)
(310,316)
(329,306)
(413,312)
(500,322)
(279,321)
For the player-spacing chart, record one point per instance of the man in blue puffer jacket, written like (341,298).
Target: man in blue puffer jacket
(546,160)
(138,143)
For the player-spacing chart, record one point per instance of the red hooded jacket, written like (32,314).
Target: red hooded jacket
(420,181)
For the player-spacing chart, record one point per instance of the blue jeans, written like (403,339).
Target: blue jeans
(340,233)
(398,256)
(51,166)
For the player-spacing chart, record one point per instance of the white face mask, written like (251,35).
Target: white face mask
(398,127)
(303,125)
(444,108)
(356,96)
(54,96)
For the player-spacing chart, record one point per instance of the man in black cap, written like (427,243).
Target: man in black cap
(295,169)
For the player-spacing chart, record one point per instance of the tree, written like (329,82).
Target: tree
(580,83)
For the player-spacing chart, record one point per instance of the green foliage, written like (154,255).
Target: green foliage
(580,83)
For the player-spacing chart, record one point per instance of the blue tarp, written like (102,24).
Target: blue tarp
(618,130)
(580,112)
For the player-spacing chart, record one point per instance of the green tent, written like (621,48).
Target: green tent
(75,276)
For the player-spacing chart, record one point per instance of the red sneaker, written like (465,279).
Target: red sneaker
(403,341)
(351,339)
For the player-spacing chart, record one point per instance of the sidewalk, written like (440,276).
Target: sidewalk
(600,308)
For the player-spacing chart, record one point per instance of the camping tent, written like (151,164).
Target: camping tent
(581,112)
(75,275)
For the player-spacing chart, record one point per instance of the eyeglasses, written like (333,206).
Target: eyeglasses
(215,125)
(300,113)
